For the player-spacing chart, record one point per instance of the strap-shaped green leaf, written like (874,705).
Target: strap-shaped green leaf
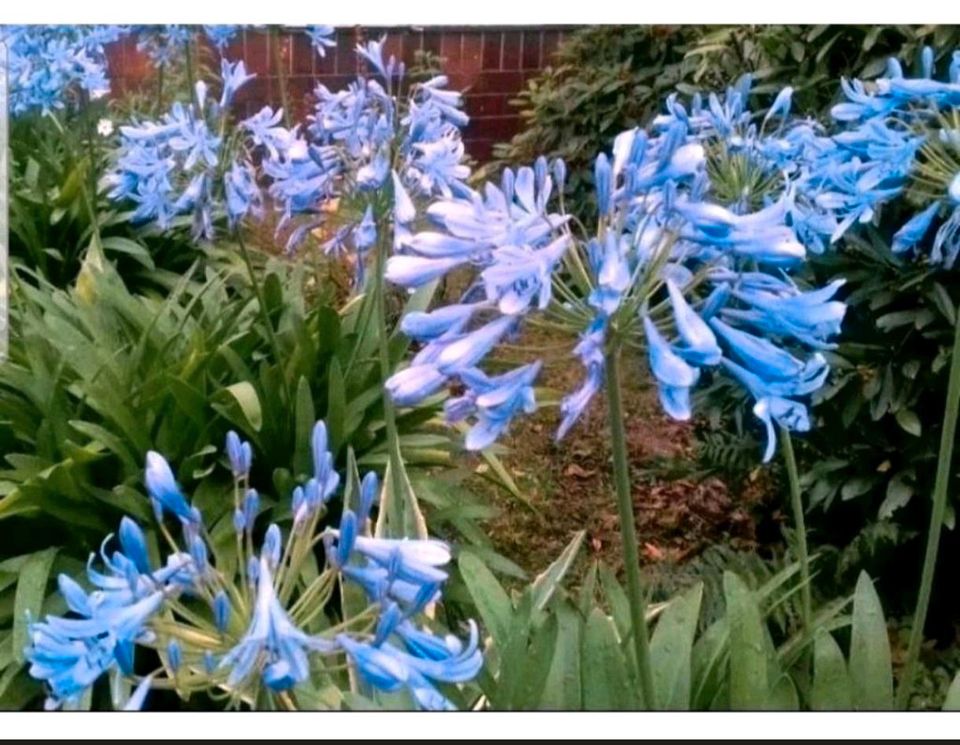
(606,686)
(31,590)
(871,671)
(749,685)
(562,689)
(491,600)
(670,650)
(831,682)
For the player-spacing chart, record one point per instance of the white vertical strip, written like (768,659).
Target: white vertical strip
(4,203)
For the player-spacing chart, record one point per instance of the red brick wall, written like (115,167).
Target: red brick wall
(489,64)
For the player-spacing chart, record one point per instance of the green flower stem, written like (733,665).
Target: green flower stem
(397,484)
(628,531)
(191,80)
(799,524)
(281,74)
(941,483)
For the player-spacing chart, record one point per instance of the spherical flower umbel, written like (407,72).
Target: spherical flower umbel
(243,623)
(702,285)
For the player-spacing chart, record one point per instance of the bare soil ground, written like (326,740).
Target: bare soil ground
(570,483)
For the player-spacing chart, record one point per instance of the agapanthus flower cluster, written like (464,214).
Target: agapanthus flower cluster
(53,67)
(252,619)
(197,161)
(895,137)
(377,147)
(700,284)
(901,138)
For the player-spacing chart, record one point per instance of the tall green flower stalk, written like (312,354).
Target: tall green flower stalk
(800,527)
(628,531)
(275,39)
(942,482)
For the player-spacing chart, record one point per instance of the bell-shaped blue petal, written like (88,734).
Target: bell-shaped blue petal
(468,350)
(700,345)
(403,208)
(425,326)
(914,229)
(410,386)
(674,376)
(414,271)
(781,104)
(760,355)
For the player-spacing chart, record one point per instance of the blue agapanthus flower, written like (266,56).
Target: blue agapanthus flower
(700,283)
(53,67)
(246,620)
(894,137)
(379,136)
(197,161)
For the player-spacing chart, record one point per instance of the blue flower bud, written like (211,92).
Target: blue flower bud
(540,172)
(221,610)
(271,545)
(239,521)
(601,177)
(369,492)
(311,489)
(239,455)
(319,445)
(894,70)
(507,184)
(134,544)
(198,552)
(174,655)
(926,62)
(251,507)
(348,534)
(162,487)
